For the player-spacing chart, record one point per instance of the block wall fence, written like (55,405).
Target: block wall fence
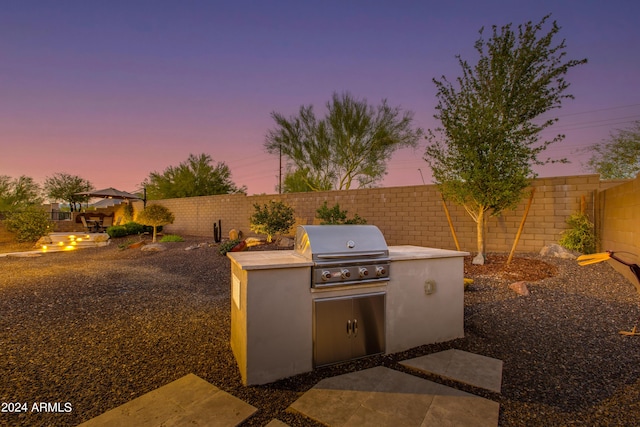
(415,214)
(619,223)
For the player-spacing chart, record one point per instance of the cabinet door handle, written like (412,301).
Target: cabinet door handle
(355,327)
(348,327)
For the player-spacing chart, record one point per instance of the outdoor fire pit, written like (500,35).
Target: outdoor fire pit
(341,294)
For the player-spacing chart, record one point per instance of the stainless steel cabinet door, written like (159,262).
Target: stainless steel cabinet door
(332,330)
(368,326)
(348,327)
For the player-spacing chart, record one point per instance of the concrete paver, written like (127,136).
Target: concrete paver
(468,368)
(188,401)
(385,397)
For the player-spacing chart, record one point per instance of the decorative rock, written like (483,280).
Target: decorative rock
(44,240)
(192,247)
(285,242)
(137,245)
(239,247)
(478,260)
(153,247)
(520,288)
(557,251)
(233,234)
(101,238)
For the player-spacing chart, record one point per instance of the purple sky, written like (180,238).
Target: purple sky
(112,91)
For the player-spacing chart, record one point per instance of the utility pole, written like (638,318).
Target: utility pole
(280,170)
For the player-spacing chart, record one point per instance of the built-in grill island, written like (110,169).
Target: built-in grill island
(341,294)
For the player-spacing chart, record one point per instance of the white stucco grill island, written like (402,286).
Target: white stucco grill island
(273,306)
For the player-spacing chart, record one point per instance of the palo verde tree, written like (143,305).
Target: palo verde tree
(619,156)
(18,193)
(196,176)
(351,144)
(483,154)
(155,216)
(64,187)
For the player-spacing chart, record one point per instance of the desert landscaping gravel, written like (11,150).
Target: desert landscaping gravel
(95,328)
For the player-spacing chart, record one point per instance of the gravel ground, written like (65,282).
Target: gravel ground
(99,327)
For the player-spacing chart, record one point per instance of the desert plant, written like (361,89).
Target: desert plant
(272,218)
(29,224)
(580,236)
(335,216)
(155,216)
(171,238)
(227,246)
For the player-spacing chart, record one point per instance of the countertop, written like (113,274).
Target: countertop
(408,252)
(265,260)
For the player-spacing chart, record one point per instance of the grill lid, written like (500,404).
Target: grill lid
(335,243)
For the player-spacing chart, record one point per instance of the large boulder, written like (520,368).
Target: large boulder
(557,251)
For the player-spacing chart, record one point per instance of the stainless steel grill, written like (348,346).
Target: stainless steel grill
(343,254)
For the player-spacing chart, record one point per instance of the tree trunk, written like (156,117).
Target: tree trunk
(480,258)
(154,234)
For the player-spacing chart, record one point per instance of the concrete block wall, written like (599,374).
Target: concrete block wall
(619,228)
(406,215)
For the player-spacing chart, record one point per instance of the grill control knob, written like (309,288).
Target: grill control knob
(363,272)
(326,275)
(345,273)
(380,271)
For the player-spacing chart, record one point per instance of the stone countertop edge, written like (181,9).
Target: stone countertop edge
(265,260)
(409,252)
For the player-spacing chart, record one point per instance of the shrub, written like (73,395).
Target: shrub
(580,236)
(334,215)
(117,231)
(29,224)
(129,229)
(171,238)
(134,228)
(272,218)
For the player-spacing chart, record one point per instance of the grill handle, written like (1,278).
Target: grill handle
(352,255)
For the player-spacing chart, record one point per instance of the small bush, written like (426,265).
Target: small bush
(580,236)
(171,238)
(227,246)
(117,231)
(332,216)
(134,228)
(273,218)
(29,225)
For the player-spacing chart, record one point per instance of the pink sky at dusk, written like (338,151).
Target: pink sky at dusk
(112,91)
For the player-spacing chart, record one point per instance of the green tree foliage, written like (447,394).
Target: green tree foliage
(155,216)
(352,143)
(63,187)
(196,176)
(271,219)
(301,180)
(28,224)
(18,193)
(619,156)
(483,154)
(336,216)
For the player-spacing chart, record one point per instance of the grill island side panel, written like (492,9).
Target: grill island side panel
(271,317)
(419,314)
